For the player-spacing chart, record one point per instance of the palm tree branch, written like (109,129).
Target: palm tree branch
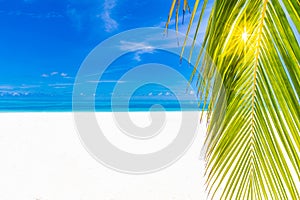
(253,142)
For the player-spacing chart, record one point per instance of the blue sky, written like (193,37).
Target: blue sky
(43,42)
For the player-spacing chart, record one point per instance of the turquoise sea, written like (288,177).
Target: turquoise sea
(65,105)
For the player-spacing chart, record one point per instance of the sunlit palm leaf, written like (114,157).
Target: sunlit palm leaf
(254,151)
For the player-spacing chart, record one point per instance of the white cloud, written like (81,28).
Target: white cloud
(24,86)
(160,94)
(150,94)
(64,75)
(137,55)
(6,87)
(134,46)
(140,47)
(54,73)
(15,88)
(36,15)
(107,81)
(16,94)
(109,23)
(61,84)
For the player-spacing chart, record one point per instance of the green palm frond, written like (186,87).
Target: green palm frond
(253,152)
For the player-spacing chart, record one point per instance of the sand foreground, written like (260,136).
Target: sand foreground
(42,158)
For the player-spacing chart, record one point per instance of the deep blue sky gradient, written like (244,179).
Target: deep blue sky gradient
(43,42)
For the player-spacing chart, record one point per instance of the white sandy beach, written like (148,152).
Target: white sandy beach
(42,158)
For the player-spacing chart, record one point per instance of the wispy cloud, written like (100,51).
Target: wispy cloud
(68,77)
(24,86)
(6,87)
(54,73)
(140,47)
(37,15)
(109,23)
(15,93)
(61,84)
(135,46)
(64,74)
(107,81)
(75,16)
(17,90)
(137,55)
(44,75)
(17,87)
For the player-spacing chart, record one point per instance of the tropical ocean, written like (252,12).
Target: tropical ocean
(65,105)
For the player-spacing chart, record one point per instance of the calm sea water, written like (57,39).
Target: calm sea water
(65,105)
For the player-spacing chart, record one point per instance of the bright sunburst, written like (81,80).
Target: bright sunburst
(245,35)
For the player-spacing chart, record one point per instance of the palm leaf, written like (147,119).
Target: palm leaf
(253,152)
